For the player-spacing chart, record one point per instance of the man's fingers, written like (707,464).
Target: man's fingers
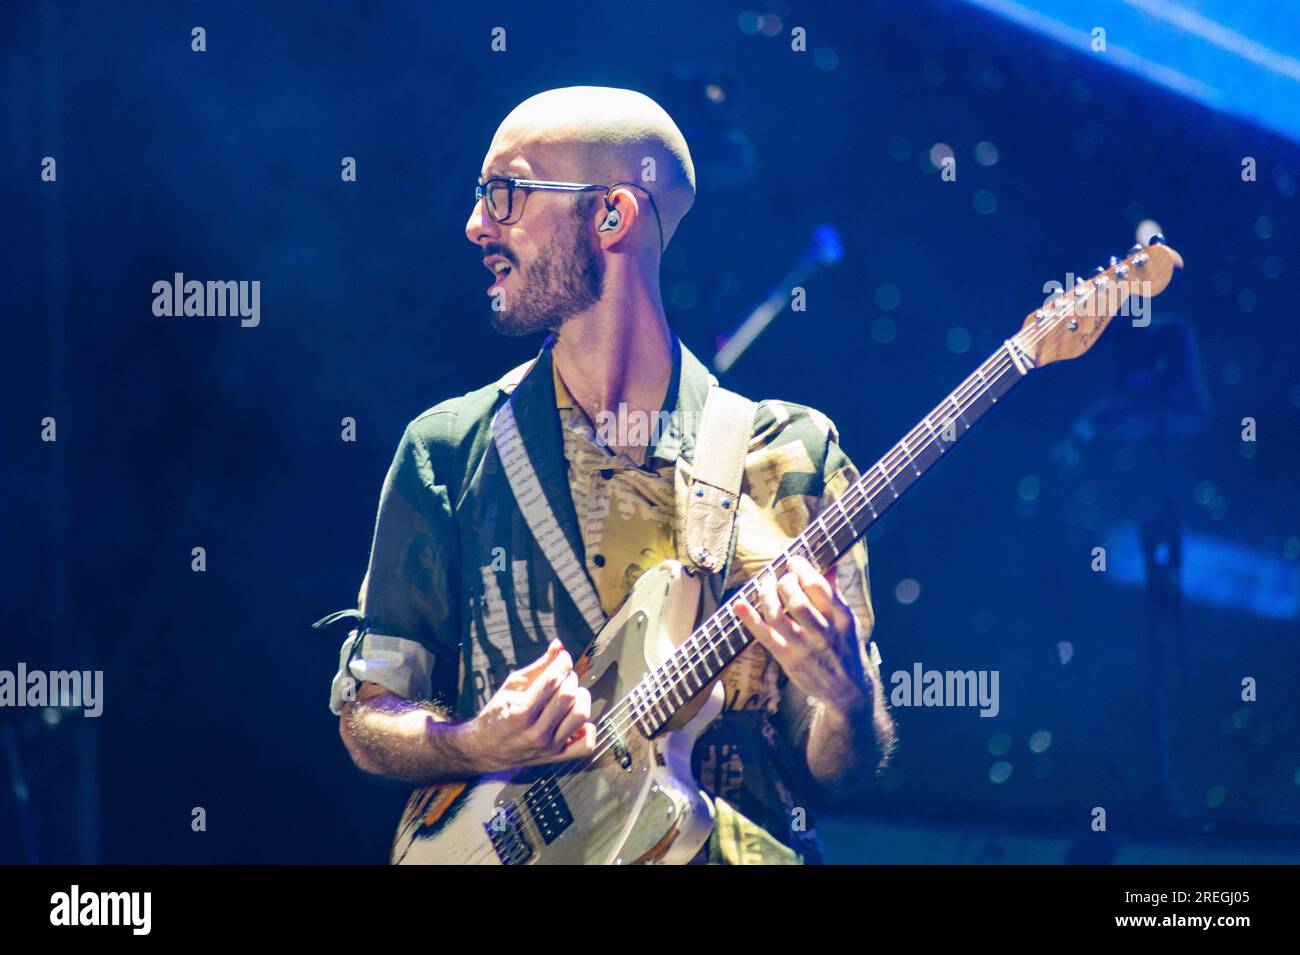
(772,608)
(523,677)
(583,746)
(545,686)
(769,601)
(578,716)
(553,649)
(815,586)
(556,709)
(795,601)
(824,594)
(760,630)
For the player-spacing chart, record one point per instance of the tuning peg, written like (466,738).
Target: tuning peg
(1135,248)
(1099,269)
(1156,239)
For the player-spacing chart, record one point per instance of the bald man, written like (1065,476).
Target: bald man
(462,662)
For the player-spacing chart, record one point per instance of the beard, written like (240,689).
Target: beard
(566,278)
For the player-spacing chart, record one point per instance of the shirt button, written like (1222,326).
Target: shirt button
(607,474)
(598,560)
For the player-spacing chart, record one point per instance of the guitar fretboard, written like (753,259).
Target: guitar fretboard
(662,693)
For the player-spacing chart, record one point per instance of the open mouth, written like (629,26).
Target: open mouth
(500,270)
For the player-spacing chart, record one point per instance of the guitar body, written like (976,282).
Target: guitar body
(634,803)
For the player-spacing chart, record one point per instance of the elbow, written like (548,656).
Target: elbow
(353,743)
(851,779)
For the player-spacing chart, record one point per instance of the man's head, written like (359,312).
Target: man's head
(555,249)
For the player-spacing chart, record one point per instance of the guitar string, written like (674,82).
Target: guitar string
(1002,361)
(1002,364)
(964,402)
(832,528)
(848,507)
(608,733)
(841,522)
(680,667)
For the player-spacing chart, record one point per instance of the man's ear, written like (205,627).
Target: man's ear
(617,218)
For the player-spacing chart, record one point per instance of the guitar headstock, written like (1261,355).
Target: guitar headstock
(1071,321)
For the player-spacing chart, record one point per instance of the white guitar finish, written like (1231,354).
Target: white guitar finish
(646,809)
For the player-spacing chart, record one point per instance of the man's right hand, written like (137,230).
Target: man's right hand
(540,715)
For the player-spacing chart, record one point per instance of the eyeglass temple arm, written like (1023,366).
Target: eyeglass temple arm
(582,187)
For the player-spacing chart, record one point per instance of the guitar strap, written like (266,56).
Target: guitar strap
(709,498)
(540,518)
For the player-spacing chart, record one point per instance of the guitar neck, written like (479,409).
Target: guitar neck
(721,638)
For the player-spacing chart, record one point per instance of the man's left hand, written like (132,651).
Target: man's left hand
(808,628)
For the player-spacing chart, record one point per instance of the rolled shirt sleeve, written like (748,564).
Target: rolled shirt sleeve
(408,644)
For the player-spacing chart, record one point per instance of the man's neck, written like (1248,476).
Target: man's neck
(618,353)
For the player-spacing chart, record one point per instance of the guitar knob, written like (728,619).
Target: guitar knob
(1113,260)
(1099,269)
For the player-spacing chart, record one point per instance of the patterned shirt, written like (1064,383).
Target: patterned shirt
(626,519)
(750,759)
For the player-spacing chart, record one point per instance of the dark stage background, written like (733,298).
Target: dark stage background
(174,433)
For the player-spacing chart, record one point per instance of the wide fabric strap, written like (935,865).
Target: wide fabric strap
(707,503)
(541,519)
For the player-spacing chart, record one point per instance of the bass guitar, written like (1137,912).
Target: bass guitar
(634,800)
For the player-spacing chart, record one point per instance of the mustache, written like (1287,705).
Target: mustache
(496,248)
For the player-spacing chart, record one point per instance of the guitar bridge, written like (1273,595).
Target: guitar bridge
(507,835)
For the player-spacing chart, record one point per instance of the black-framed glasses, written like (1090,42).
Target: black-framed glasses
(501,206)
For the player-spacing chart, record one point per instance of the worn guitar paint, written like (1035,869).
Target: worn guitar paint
(652,672)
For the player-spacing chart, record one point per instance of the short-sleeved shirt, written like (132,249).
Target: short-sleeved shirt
(457,593)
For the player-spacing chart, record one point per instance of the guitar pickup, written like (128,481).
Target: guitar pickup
(550,812)
(620,750)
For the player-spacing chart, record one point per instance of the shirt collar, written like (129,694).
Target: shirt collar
(688,385)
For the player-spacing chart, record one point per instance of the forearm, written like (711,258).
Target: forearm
(845,748)
(412,742)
